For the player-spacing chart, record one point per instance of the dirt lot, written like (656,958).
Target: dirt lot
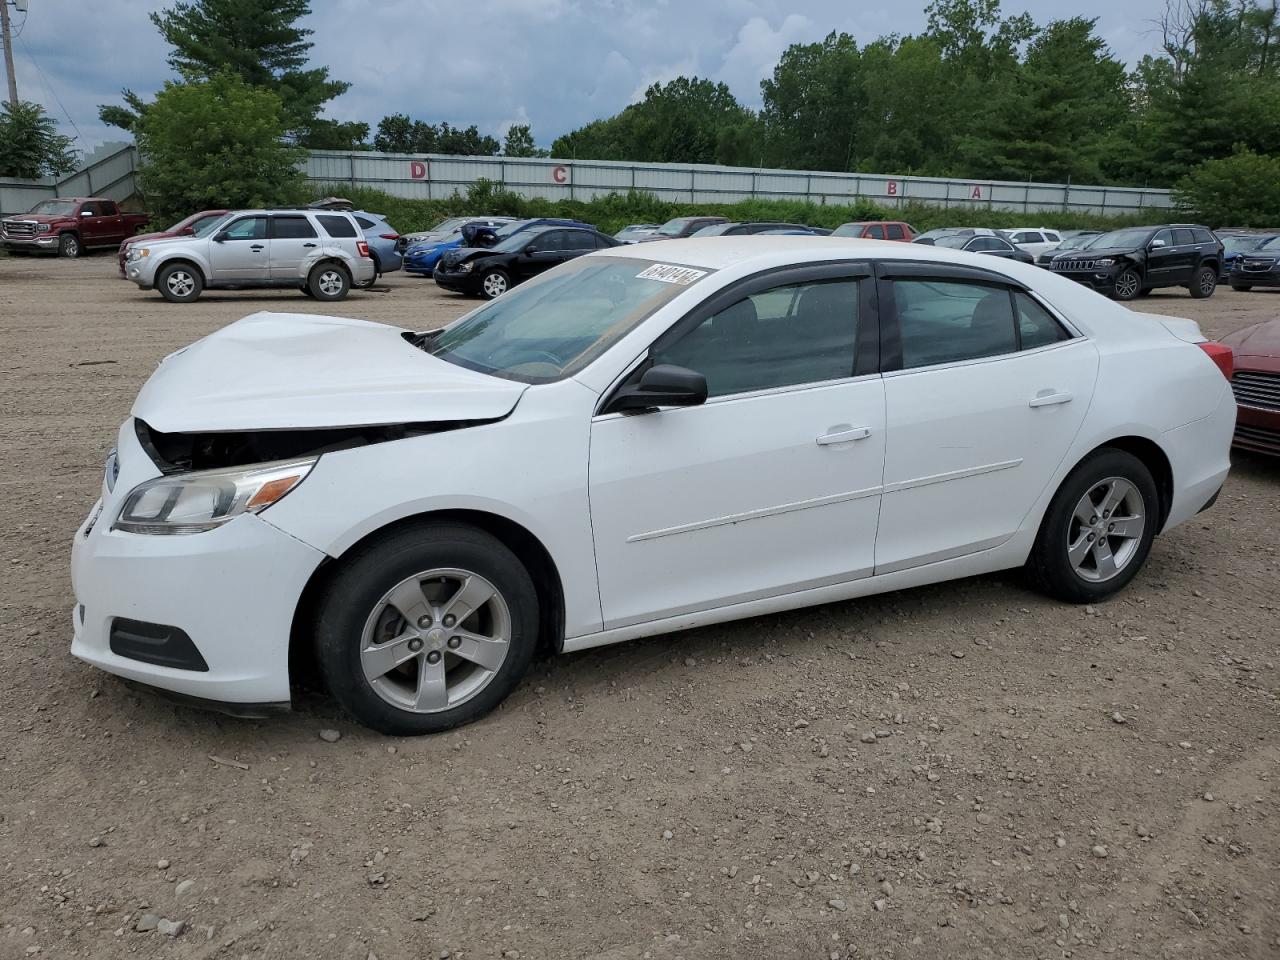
(706,794)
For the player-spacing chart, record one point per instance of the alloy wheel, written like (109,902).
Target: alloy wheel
(495,285)
(1208,281)
(1105,530)
(180,283)
(435,640)
(330,283)
(1127,285)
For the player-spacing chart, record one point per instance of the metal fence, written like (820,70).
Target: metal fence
(428,176)
(108,173)
(111,173)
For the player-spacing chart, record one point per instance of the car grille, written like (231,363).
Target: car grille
(1073,264)
(1257,438)
(1257,265)
(1253,389)
(19,229)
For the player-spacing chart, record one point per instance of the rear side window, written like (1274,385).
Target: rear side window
(1052,237)
(107,208)
(875,232)
(894,231)
(336,226)
(578,240)
(1036,325)
(292,228)
(365,223)
(1183,238)
(987,243)
(944,321)
(1203,236)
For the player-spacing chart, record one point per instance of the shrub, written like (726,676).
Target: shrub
(1242,190)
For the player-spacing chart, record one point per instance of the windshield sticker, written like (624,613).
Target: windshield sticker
(669,274)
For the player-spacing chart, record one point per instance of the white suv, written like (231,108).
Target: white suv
(1034,240)
(321,252)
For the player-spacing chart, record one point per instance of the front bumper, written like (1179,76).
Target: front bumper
(232,590)
(41,243)
(1254,278)
(457,281)
(1104,281)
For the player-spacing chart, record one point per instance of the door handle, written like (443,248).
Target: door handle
(308,244)
(1047,398)
(256,246)
(844,436)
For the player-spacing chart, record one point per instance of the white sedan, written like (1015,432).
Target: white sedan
(639,441)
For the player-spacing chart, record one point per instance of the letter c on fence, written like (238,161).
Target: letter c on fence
(417,170)
(892,188)
(560,174)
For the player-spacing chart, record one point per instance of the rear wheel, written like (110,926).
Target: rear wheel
(1205,282)
(179,283)
(377,271)
(428,628)
(1128,284)
(329,281)
(68,245)
(1098,529)
(494,284)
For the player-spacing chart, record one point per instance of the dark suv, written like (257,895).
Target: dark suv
(1131,262)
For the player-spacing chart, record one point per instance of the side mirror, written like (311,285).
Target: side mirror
(664,385)
(219,237)
(85,214)
(1156,244)
(530,249)
(187,231)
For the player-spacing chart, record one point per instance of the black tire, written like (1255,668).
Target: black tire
(1205,282)
(69,245)
(329,281)
(494,283)
(377,272)
(1242,287)
(306,291)
(1127,286)
(1049,564)
(179,283)
(356,592)
(1145,292)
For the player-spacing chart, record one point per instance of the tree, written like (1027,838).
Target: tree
(1242,190)
(519,142)
(216,143)
(466,143)
(30,145)
(399,134)
(812,104)
(259,41)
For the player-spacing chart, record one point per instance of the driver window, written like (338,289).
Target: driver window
(551,240)
(249,228)
(1165,237)
(789,335)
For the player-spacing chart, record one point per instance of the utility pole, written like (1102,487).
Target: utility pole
(8,53)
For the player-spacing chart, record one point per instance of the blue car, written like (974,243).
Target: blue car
(381,237)
(1235,245)
(420,258)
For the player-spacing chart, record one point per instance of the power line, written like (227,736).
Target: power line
(49,87)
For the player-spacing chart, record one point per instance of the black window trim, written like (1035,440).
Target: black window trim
(890,332)
(866,346)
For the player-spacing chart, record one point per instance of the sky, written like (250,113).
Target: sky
(555,64)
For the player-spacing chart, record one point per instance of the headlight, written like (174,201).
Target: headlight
(465,266)
(1104,262)
(113,469)
(195,502)
(137,253)
(42,228)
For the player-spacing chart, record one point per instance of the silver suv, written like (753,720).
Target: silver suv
(321,252)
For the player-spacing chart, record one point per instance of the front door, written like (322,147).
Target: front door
(982,404)
(770,487)
(543,251)
(293,243)
(1162,260)
(240,251)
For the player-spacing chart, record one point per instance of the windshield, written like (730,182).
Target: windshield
(54,208)
(1078,242)
(955,241)
(444,226)
(1272,244)
(206,225)
(1121,238)
(673,228)
(1240,244)
(553,326)
(715,230)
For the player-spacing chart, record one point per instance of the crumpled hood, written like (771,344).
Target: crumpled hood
(1259,340)
(273,371)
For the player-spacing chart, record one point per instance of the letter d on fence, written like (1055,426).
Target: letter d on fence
(417,170)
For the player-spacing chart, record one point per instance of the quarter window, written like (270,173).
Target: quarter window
(1036,325)
(365,223)
(789,335)
(336,226)
(292,228)
(1183,238)
(248,228)
(578,240)
(875,232)
(944,321)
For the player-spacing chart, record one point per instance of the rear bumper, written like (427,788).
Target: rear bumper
(1200,454)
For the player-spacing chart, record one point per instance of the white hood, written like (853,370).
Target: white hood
(283,370)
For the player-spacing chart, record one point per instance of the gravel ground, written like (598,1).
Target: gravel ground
(966,770)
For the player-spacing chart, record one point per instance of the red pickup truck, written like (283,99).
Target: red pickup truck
(69,225)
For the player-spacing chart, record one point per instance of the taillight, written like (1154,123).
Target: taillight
(362,248)
(389,236)
(1222,355)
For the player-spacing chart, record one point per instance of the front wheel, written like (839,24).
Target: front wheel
(1128,284)
(494,284)
(329,281)
(68,245)
(426,629)
(1098,529)
(1205,283)
(179,283)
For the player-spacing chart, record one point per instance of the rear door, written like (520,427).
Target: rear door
(293,241)
(984,392)
(1187,254)
(111,224)
(241,253)
(894,231)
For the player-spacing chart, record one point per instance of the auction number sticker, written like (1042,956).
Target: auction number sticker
(671,274)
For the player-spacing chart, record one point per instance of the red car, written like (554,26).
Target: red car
(190,226)
(1256,384)
(68,226)
(877,230)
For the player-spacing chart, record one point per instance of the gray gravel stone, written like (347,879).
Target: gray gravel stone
(330,736)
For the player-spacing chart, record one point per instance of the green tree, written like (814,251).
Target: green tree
(468,142)
(397,133)
(216,143)
(812,105)
(259,41)
(30,145)
(1242,190)
(519,142)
